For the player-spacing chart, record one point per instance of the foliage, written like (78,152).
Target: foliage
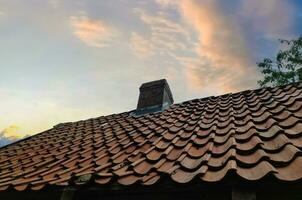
(286,67)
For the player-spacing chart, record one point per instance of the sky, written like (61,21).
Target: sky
(68,60)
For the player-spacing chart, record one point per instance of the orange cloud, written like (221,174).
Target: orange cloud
(94,33)
(220,39)
(141,46)
(223,59)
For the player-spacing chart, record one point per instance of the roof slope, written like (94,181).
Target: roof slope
(251,134)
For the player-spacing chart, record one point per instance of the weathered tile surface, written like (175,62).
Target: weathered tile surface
(252,134)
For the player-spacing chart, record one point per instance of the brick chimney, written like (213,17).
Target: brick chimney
(154,96)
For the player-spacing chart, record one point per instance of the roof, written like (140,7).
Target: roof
(251,134)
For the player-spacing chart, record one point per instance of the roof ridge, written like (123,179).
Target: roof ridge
(186,101)
(298,83)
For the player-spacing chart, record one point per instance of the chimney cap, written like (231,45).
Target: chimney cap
(154,96)
(154,83)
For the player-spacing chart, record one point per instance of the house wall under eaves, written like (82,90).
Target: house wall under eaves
(285,191)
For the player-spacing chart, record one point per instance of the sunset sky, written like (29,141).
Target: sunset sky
(67,60)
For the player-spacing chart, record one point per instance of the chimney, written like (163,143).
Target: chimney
(154,96)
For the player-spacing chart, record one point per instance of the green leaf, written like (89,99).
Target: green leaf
(286,67)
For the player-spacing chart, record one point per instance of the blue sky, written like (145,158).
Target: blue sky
(67,60)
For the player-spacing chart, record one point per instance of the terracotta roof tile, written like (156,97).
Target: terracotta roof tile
(250,134)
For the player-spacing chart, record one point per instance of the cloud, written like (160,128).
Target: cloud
(45,108)
(224,56)
(202,76)
(223,60)
(165,37)
(11,134)
(274,18)
(92,32)
(141,46)
(160,23)
(166,3)
(220,40)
